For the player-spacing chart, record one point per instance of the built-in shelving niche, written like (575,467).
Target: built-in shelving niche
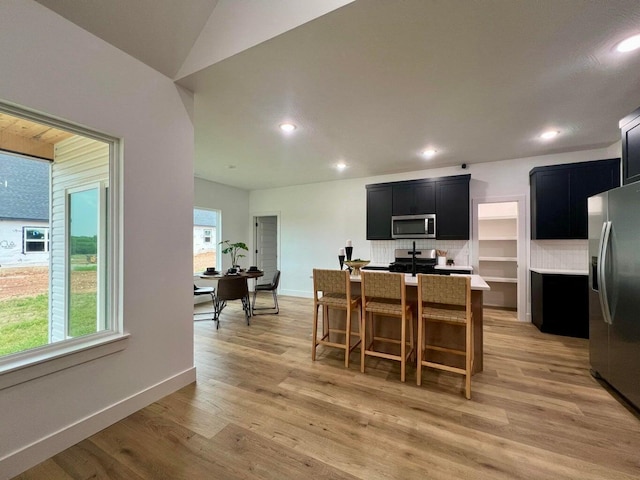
(498,252)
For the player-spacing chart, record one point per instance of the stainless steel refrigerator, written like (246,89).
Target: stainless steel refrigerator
(614,293)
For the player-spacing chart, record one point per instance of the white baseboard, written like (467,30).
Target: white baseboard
(295,293)
(30,455)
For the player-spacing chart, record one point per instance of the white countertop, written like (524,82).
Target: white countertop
(454,267)
(477,282)
(559,271)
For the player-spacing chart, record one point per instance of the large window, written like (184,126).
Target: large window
(206,251)
(59,277)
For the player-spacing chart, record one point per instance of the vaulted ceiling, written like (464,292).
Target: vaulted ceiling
(375,82)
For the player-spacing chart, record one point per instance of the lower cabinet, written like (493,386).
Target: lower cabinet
(560,304)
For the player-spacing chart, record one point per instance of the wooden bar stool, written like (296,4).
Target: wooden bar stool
(385,294)
(445,299)
(335,286)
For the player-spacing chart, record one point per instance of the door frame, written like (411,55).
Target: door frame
(254,236)
(523,247)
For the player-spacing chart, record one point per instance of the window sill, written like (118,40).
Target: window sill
(53,358)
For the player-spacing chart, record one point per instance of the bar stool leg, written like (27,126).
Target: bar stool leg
(363,333)
(347,335)
(420,350)
(315,333)
(403,349)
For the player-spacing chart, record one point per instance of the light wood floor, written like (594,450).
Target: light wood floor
(262,410)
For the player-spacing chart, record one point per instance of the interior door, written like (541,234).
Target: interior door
(267,245)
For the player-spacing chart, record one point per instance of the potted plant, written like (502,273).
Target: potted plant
(233,250)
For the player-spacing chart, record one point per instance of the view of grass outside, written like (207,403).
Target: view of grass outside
(24,304)
(23,323)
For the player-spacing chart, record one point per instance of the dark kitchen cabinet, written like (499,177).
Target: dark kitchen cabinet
(452,208)
(560,304)
(379,202)
(630,129)
(559,196)
(447,197)
(414,198)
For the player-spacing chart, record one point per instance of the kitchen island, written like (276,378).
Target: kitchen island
(444,334)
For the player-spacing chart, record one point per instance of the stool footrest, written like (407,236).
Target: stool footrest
(445,349)
(447,368)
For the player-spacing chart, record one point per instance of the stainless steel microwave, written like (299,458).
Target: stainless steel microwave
(413,226)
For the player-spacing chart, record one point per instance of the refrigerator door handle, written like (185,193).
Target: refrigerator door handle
(602,265)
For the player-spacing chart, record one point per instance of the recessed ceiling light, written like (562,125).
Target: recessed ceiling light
(629,44)
(549,134)
(287,127)
(429,152)
(341,166)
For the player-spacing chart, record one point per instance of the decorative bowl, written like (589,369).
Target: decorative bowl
(356,265)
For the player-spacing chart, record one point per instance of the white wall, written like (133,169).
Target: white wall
(55,67)
(316,219)
(233,204)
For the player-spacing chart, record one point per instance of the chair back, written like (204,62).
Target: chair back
(276,281)
(446,289)
(330,281)
(232,288)
(383,285)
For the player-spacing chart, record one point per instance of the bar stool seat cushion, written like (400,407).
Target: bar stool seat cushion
(444,314)
(385,308)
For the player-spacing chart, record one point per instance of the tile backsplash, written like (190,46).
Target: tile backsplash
(383,251)
(560,254)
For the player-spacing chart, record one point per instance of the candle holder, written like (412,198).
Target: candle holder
(341,260)
(349,252)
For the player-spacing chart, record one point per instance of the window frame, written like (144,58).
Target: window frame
(29,364)
(25,240)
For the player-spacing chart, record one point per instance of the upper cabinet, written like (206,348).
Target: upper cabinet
(447,197)
(414,198)
(630,128)
(559,196)
(452,208)
(379,198)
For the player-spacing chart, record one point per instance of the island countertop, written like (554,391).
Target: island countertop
(477,282)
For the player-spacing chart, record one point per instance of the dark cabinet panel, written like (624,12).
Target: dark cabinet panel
(452,208)
(379,201)
(414,198)
(551,210)
(559,196)
(630,129)
(560,304)
(586,182)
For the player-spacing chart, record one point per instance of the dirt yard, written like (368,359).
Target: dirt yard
(20,282)
(203,260)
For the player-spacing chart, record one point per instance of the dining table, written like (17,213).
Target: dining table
(221,277)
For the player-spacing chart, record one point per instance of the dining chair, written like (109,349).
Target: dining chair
(332,291)
(384,297)
(445,299)
(232,288)
(198,291)
(267,287)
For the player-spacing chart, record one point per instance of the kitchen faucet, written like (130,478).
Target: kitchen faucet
(413,253)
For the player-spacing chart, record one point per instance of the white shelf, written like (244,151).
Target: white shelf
(497,238)
(500,279)
(498,259)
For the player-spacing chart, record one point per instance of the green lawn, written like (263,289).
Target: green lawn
(24,321)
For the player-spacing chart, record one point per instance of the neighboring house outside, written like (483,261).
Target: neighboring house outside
(204,232)
(24,211)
